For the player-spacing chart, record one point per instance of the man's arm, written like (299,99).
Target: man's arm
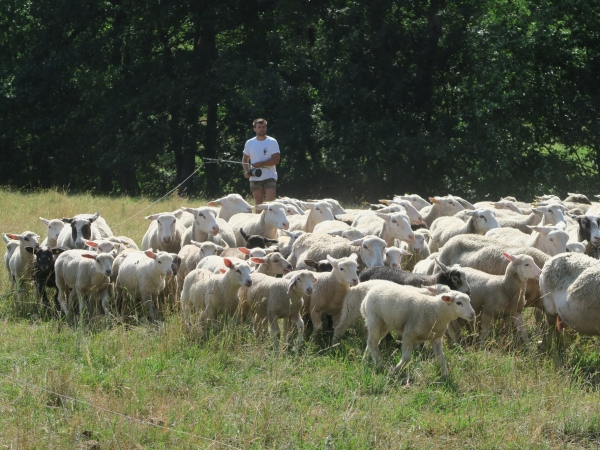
(272,161)
(246,166)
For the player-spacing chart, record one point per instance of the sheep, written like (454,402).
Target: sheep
(405,206)
(551,214)
(427,265)
(20,264)
(125,241)
(43,272)
(441,206)
(550,240)
(82,274)
(277,298)
(588,230)
(577,247)
(577,198)
(286,242)
(452,276)
(317,247)
(258,241)
(230,205)
(443,228)
(207,227)
(416,200)
(164,232)
(317,213)
(414,316)
(209,294)
(169,297)
(246,253)
(502,205)
(328,294)
(192,254)
(54,226)
(495,296)
(418,249)
(142,276)
(266,224)
(272,264)
(393,256)
(336,208)
(484,253)
(83,227)
(11,246)
(519,222)
(386,226)
(569,286)
(104,246)
(350,233)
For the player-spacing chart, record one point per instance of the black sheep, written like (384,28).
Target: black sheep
(43,272)
(255,240)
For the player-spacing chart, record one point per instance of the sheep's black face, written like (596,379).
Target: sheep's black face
(44,258)
(176,264)
(458,282)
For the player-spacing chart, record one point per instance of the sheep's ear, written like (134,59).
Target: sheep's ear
(315,280)
(150,254)
(45,221)
(470,212)
(405,252)
(192,211)
(508,256)
(244,250)
(196,243)
(58,250)
(289,233)
(358,242)
(311,263)
(383,216)
(91,244)
(228,263)
(353,256)
(385,201)
(292,283)
(434,199)
(441,266)
(222,270)
(5,238)
(14,237)
(268,250)
(152,217)
(220,249)
(335,233)
(447,298)
(67,220)
(261,207)
(585,242)
(307,205)
(258,260)
(271,241)
(177,213)
(332,260)
(89,255)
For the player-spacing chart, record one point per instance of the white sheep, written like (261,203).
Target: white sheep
(427,265)
(520,222)
(416,200)
(164,233)
(407,207)
(276,298)
(336,208)
(207,227)
(393,256)
(414,316)
(441,206)
(142,277)
(82,274)
(209,294)
(418,249)
(230,205)
(271,219)
(125,241)
(192,254)
(20,264)
(11,246)
(286,241)
(386,226)
(272,264)
(54,226)
(444,228)
(318,212)
(577,247)
(502,296)
(83,227)
(549,239)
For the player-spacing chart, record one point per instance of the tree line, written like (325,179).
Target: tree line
(366,99)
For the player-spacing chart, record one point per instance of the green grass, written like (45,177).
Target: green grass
(153,386)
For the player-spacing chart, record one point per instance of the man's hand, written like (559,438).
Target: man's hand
(246,175)
(257,165)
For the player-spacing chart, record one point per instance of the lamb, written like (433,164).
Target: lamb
(521,223)
(550,240)
(54,226)
(169,297)
(285,243)
(192,254)
(569,285)
(393,256)
(495,296)
(142,276)
(442,229)
(164,232)
(336,208)
(272,264)
(317,213)
(210,294)
(258,241)
(406,207)
(43,272)
(577,247)
(414,316)
(452,276)
(82,274)
(416,200)
(266,224)
(418,249)
(203,228)
(11,246)
(386,226)
(328,294)
(83,227)
(246,253)
(20,264)
(442,206)
(485,254)
(317,247)
(230,205)
(125,241)
(277,298)
(348,232)
(551,214)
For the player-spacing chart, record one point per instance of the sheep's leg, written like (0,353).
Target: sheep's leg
(256,324)
(486,326)
(275,332)
(82,305)
(407,348)
(520,326)
(376,332)
(347,317)
(316,321)
(300,327)
(149,302)
(439,352)
(539,320)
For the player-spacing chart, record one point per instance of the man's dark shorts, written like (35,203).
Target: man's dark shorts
(269,183)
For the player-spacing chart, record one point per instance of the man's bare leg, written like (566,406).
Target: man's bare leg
(259,195)
(270,195)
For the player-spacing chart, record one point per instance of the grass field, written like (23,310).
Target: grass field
(148,386)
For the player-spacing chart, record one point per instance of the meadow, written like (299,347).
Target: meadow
(108,385)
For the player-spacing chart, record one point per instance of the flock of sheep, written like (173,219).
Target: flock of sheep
(422,270)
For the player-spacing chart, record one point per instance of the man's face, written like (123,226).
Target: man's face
(260,129)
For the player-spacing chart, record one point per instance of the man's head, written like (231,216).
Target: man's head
(260,127)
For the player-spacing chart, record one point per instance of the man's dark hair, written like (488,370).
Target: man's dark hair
(258,121)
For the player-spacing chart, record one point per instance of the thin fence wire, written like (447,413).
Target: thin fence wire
(125,416)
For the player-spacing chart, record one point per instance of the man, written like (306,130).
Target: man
(262,152)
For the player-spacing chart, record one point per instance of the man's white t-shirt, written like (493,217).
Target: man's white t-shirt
(260,151)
